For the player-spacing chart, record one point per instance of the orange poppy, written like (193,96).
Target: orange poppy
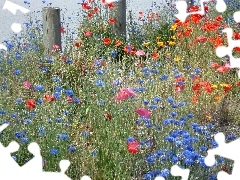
(118,43)
(155,55)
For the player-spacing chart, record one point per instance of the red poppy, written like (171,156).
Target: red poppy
(86,6)
(133,147)
(110,5)
(106,41)
(49,98)
(31,104)
(78,44)
(111,21)
(62,30)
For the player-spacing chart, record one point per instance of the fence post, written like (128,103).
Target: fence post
(51,29)
(120,17)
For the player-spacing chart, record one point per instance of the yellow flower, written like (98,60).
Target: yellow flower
(173,37)
(160,44)
(158,37)
(208,117)
(167,53)
(174,27)
(171,43)
(214,86)
(223,85)
(146,43)
(177,59)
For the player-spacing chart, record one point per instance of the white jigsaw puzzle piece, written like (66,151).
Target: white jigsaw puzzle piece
(222,51)
(16,27)
(227,150)
(181,6)
(177,171)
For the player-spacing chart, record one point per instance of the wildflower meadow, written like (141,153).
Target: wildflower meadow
(124,108)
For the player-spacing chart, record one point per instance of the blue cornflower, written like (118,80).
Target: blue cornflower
(16,72)
(68,61)
(18,55)
(54,151)
(100,83)
(170,99)
(140,81)
(212,177)
(174,159)
(145,102)
(231,137)
(188,161)
(145,69)
(203,148)
(182,103)
(150,159)
(41,131)
(27,121)
(153,106)
(50,60)
(169,139)
(178,143)
(39,101)
(197,70)
(58,120)
(56,79)
(57,95)
(15,158)
(99,72)
(167,121)
(58,89)
(62,136)
(85,134)
(24,140)
(164,77)
(94,153)
(69,92)
(190,115)
(130,139)
(117,82)
(173,114)
(157,99)
(72,148)
(165,173)
(39,88)
(214,144)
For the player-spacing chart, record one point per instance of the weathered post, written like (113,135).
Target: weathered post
(51,29)
(120,17)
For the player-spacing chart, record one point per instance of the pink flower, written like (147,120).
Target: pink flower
(88,33)
(56,46)
(201,39)
(124,94)
(140,53)
(144,112)
(27,84)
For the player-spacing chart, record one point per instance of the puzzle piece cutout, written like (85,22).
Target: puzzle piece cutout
(16,27)
(222,51)
(32,169)
(177,171)
(181,6)
(228,150)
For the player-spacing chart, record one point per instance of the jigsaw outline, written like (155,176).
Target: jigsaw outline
(13,8)
(34,165)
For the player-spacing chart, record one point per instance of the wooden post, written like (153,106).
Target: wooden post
(120,17)
(51,29)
